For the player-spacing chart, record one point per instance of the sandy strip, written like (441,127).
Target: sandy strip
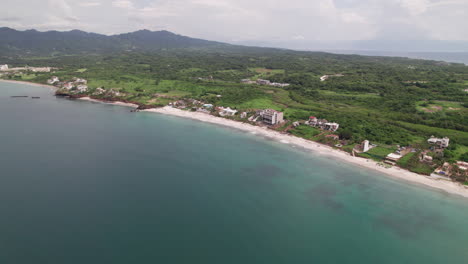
(111,103)
(324,150)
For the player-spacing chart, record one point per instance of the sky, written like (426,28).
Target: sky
(301,24)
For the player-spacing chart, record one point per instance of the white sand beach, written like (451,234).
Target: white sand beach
(324,150)
(104,102)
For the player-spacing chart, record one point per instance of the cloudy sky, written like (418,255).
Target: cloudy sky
(291,23)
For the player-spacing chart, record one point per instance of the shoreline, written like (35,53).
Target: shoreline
(31,83)
(447,186)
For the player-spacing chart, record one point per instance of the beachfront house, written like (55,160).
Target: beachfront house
(243,115)
(271,117)
(439,142)
(68,85)
(392,158)
(53,80)
(322,124)
(334,137)
(365,146)
(82,88)
(227,111)
(208,106)
(4,67)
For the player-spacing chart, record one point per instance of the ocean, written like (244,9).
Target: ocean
(456,57)
(84,182)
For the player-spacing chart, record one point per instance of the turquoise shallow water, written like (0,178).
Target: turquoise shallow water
(90,183)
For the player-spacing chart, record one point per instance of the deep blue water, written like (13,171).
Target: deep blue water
(82,182)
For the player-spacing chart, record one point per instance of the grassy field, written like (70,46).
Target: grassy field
(438,106)
(403,162)
(306,132)
(378,153)
(263,73)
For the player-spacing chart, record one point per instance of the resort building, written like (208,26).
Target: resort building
(271,117)
(439,142)
(4,67)
(227,111)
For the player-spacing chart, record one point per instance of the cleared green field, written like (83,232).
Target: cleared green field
(304,131)
(261,73)
(437,106)
(378,153)
(359,95)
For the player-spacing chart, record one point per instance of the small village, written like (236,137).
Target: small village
(426,159)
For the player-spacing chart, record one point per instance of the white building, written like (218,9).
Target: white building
(4,67)
(365,146)
(271,117)
(440,142)
(227,111)
(82,88)
(68,85)
(53,80)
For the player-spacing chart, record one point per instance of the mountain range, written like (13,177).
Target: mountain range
(35,43)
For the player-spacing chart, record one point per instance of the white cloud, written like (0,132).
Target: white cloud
(293,21)
(123,4)
(89,4)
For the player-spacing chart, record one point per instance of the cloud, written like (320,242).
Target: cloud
(267,21)
(89,4)
(123,4)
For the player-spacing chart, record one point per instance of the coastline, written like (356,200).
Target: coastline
(447,186)
(30,83)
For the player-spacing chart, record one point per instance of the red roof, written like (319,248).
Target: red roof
(312,117)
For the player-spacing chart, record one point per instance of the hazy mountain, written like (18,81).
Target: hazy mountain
(33,42)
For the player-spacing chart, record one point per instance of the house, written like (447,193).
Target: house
(296,124)
(271,117)
(263,82)
(208,106)
(68,85)
(99,91)
(392,158)
(331,126)
(462,165)
(4,67)
(79,80)
(227,111)
(365,146)
(243,115)
(334,137)
(427,158)
(53,79)
(439,142)
(247,81)
(82,88)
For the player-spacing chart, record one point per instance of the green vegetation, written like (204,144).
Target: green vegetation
(378,153)
(378,99)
